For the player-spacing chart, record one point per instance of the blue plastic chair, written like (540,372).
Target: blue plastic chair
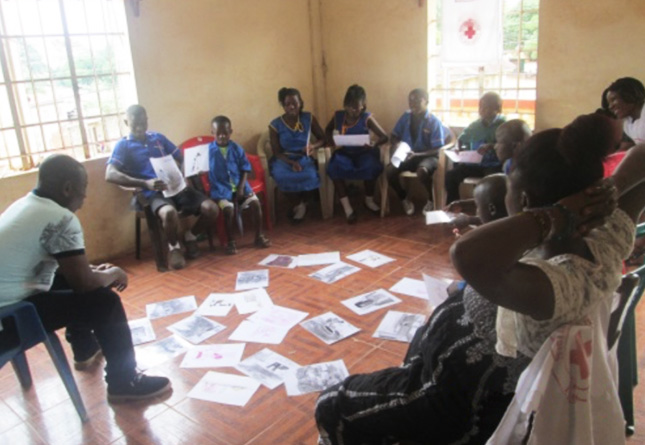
(29,331)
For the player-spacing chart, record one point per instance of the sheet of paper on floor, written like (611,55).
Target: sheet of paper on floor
(196,329)
(251,332)
(279,316)
(370,258)
(267,367)
(371,301)
(171,307)
(159,352)
(223,388)
(217,305)
(142,331)
(252,279)
(275,260)
(334,272)
(317,259)
(437,217)
(213,356)
(329,327)
(316,377)
(252,300)
(399,326)
(437,290)
(411,287)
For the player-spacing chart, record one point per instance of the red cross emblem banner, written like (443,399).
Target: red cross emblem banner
(471,32)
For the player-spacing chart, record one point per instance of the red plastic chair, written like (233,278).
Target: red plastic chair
(257,183)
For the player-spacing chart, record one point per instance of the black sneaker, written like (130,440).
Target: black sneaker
(192,249)
(140,388)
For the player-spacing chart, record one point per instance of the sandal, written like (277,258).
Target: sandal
(231,248)
(262,241)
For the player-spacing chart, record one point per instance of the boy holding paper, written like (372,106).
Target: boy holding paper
(228,170)
(360,162)
(479,136)
(425,135)
(149,161)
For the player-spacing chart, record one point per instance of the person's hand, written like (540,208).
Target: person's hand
(454,207)
(460,221)
(239,194)
(101,267)
(156,184)
(410,155)
(309,150)
(295,165)
(591,207)
(368,146)
(120,282)
(485,148)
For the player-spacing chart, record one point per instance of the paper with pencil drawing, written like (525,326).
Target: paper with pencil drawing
(317,259)
(267,367)
(196,329)
(399,326)
(213,356)
(437,290)
(196,160)
(166,169)
(217,305)
(252,279)
(279,316)
(371,301)
(370,258)
(316,377)
(251,332)
(334,272)
(224,388)
(413,288)
(159,352)
(171,307)
(286,261)
(329,327)
(142,331)
(251,300)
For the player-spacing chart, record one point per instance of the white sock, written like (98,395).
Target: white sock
(346,206)
(369,202)
(188,236)
(299,211)
(173,247)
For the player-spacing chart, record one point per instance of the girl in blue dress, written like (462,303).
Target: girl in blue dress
(362,163)
(292,167)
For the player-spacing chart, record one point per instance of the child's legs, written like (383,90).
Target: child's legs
(426,168)
(253,203)
(192,202)
(169,217)
(341,190)
(229,215)
(370,186)
(393,180)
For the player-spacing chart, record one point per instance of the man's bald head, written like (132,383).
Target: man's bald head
(63,179)
(510,136)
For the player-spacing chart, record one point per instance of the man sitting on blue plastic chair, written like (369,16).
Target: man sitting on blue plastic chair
(42,235)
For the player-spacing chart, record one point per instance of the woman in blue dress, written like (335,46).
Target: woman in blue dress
(357,162)
(292,167)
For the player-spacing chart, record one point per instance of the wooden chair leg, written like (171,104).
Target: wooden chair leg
(137,237)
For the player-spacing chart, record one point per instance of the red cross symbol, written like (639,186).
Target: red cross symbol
(470,29)
(578,357)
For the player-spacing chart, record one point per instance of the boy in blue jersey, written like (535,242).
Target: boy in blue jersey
(425,134)
(228,170)
(130,166)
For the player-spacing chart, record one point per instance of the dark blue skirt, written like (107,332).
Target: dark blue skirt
(355,163)
(291,181)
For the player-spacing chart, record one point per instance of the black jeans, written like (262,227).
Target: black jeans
(100,312)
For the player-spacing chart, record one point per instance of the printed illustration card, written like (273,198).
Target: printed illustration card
(370,258)
(335,272)
(316,377)
(399,326)
(217,305)
(329,327)
(252,301)
(267,367)
(213,356)
(171,307)
(411,287)
(252,279)
(222,388)
(274,260)
(279,316)
(141,330)
(371,301)
(167,170)
(317,259)
(159,352)
(196,329)
(251,332)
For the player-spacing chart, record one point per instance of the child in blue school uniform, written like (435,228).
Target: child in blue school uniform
(362,162)
(425,134)
(480,136)
(228,171)
(292,167)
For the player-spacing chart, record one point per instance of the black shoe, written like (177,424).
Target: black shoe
(140,388)
(192,249)
(351,218)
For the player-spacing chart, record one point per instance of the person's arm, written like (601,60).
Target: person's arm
(317,131)
(438,139)
(278,151)
(629,179)
(116,176)
(82,277)
(378,131)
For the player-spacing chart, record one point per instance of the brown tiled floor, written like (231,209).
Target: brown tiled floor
(44,414)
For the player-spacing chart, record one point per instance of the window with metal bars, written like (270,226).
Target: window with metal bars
(455,91)
(66,78)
